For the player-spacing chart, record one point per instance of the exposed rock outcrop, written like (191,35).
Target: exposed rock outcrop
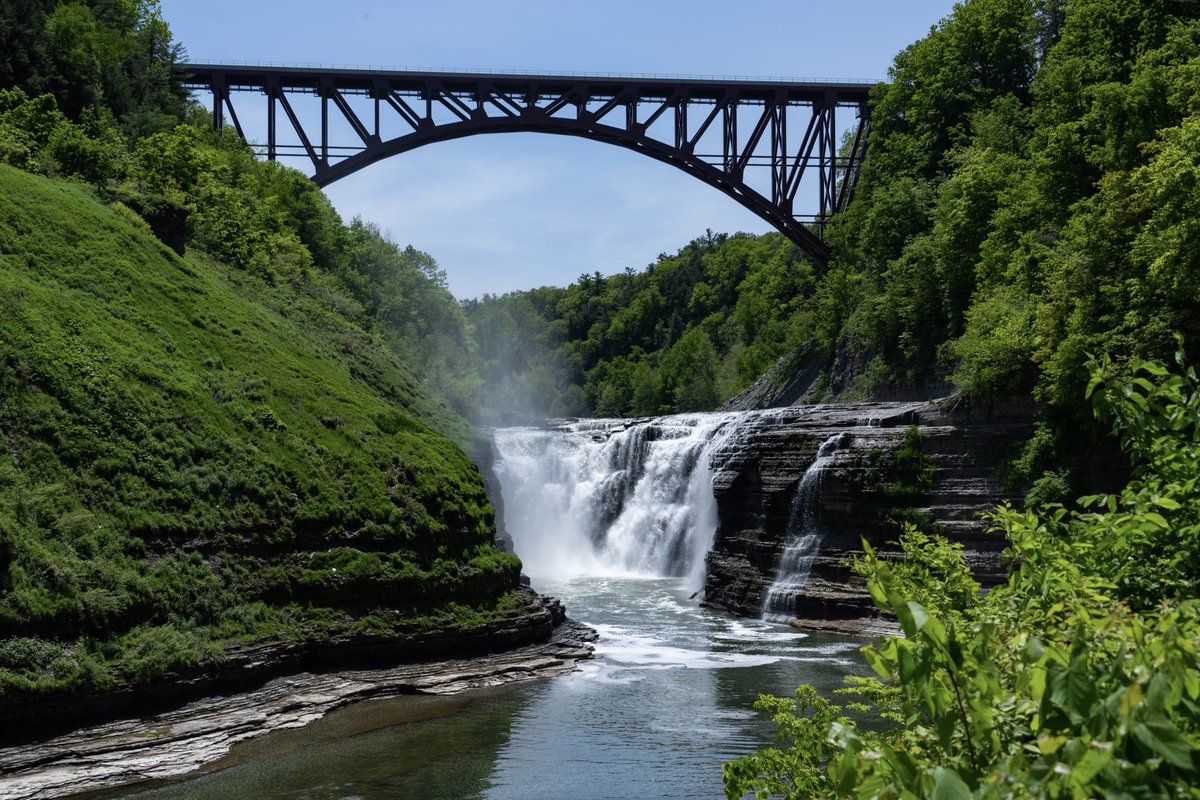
(31,717)
(806,377)
(793,379)
(180,739)
(756,481)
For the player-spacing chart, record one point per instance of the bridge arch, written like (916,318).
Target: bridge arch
(746,125)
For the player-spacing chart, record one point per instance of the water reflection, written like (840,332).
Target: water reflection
(667,701)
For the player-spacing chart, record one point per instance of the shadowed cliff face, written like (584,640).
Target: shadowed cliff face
(861,495)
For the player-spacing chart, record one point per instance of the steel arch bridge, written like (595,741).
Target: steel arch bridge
(724,132)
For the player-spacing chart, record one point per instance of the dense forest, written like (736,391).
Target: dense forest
(1028,203)
(685,334)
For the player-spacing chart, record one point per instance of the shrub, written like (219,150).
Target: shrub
(1080,678)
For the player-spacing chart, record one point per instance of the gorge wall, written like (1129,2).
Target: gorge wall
(761,509)
(756,479)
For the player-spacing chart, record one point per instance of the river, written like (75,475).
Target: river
(615,520)
(666,701)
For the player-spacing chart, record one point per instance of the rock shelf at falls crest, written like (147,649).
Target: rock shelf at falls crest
(712,496)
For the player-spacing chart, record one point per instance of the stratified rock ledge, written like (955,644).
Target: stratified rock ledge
(755,481)
(179,741)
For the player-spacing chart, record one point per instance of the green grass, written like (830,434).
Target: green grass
(191,456)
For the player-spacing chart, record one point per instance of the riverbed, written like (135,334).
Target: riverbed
(666,701)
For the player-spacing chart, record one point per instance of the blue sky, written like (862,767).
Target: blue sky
(516,211)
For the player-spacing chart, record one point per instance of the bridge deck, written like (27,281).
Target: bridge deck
(252,77)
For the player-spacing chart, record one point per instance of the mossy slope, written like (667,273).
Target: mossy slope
(191,456)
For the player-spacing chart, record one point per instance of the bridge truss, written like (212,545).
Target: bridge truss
(776,147)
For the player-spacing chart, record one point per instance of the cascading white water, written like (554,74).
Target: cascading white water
(804,525)
(612,497)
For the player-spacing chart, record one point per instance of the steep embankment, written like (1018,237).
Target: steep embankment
(197,459)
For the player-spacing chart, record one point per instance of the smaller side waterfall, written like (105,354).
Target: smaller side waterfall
(804,525)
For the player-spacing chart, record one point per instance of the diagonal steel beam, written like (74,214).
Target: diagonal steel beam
(355,123)
(406,112)
(291,115)
(756,135)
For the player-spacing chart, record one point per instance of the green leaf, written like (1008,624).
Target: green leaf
(1130,699)
(1073,691)
(1090,765)
(1165,740)
(1145,384)
(1158,691)
(878,594)
(842,772)
(935,630)
(1157,519)
(1191,682)
(904,615)
(946,725)
(919,615)
(1037,682)
(1048,745)
(955,652)
(881,662)
(947,785)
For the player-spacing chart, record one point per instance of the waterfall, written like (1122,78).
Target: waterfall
(804,525)
(612,497)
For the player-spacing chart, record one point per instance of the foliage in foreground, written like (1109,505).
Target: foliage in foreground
(1080,678)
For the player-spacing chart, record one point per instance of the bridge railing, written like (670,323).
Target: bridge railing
(655,76)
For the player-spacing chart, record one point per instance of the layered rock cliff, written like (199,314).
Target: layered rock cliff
(860,495)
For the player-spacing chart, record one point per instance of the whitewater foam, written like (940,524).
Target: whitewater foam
(612,497)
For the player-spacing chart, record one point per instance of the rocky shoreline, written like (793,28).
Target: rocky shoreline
(180,740)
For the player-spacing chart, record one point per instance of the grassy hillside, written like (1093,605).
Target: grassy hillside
(195,456)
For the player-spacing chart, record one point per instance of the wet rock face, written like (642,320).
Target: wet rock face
(755,484)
